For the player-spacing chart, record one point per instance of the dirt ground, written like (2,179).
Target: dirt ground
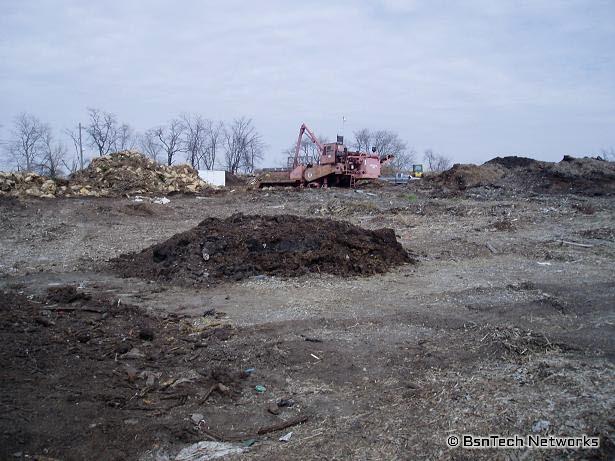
(504,325)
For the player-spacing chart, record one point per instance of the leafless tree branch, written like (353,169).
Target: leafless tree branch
(242,145)
(54,155)
(103,130)
(436,162)
(170,138)
(608,154)
(385,142)
(149,144)
(26,146)
(125,138)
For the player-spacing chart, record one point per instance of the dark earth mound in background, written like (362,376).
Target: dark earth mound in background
(512,162)
(242,246)
(522,175)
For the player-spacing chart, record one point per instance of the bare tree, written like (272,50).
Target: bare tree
(75,137)
(125,138)
(385,142)
(149,144)
(253,154)
(363,140)
(202,140)
(26,145)
(214,138)
(608,154)
(436,162)
(241,142)
(403,161)
(103,130)
(310,150)
(388,142)
(71,164)
(195,138)
(54,155)
(170,138)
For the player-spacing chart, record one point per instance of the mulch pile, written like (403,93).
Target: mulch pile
(242,246)
(132,172)
(584,176)
(20,184)
(120,173)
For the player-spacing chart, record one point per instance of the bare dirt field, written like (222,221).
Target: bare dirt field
(502,321)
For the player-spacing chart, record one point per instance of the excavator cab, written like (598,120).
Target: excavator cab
(329,153)
(417,171)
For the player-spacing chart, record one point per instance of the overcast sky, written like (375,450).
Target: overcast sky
(471,79)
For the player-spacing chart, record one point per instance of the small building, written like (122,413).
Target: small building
(213,177)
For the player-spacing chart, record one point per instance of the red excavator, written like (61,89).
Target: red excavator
(336,166)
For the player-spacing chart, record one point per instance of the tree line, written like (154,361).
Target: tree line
(236,146)
(203,143)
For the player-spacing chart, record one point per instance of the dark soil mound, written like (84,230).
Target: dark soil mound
(512,162)
(242,246)
(231,180)
(521,175)
(462,176)
(587,176)
(65,294)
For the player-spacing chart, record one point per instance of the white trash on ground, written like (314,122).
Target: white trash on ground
(203,451)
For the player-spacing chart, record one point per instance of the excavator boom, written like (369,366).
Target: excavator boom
(304,129)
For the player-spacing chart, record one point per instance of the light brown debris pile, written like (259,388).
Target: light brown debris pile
(30,184)
(127,172)
(132,172)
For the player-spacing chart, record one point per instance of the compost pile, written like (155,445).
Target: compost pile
(462,176)
(242,246)
(520,175)
(120,173)
(232,180)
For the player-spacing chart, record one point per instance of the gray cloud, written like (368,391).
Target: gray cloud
(471,79)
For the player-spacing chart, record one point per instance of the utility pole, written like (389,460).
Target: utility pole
(80,148)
